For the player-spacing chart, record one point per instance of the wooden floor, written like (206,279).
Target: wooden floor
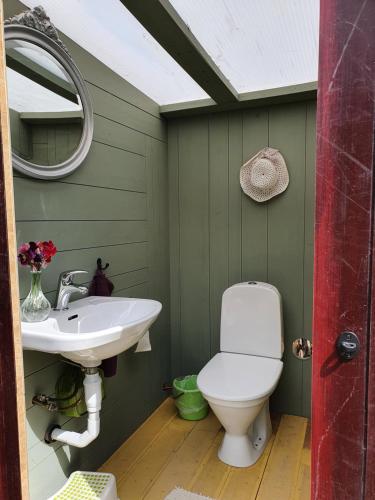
(167,451)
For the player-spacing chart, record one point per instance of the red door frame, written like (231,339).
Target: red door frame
(13,453)
(342,407)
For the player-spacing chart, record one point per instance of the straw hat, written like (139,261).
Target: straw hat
(265,175)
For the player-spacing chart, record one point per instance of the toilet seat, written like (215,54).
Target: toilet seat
(239,377)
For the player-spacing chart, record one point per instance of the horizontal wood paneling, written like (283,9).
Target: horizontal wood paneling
(81,236)
(118,136)
(34,361)
(111,167)
(38,200)
(115,206)
(120,111)
(219,236)
(122,259)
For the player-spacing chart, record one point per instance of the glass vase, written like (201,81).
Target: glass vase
(35,307)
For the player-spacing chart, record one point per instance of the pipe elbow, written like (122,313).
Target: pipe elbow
(79,440)
(93,398)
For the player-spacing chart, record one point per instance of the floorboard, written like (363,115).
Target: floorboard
(167,451)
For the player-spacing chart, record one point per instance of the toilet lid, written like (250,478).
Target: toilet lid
(239,377)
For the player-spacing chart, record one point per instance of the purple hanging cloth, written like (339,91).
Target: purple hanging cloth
(102,286)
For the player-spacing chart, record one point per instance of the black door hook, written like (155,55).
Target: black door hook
(100,266)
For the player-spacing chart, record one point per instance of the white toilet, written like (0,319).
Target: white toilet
(238,381)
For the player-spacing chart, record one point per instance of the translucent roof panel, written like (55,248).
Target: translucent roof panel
(257,44)
(43,99)
(108,31)
(40,57)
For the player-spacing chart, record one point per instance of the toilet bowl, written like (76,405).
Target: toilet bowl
(238,381)
(237,388)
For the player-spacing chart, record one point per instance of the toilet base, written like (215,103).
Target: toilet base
(243,450)
(238,451)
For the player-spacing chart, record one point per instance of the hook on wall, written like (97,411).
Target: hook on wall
(100,265)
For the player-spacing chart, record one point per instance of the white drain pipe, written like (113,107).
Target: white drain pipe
(93,397)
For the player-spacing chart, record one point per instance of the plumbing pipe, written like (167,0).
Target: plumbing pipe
(93,397)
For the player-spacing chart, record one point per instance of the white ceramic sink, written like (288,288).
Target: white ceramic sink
(92,329)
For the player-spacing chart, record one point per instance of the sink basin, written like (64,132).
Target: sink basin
(92,329)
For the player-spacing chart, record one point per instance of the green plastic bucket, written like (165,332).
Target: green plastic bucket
(190,403)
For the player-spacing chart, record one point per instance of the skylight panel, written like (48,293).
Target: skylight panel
(41,58)
(257,44)
(108,31)
(43,99)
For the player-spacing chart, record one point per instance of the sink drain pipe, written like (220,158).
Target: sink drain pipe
(92,384)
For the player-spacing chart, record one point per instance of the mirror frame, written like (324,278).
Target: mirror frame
(34,26)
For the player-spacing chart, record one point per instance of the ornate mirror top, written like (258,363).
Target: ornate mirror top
(50,108)
(38,19)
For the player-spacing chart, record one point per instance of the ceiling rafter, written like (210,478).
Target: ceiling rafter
(162,21)
(280,95)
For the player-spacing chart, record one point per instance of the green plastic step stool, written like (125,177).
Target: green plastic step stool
(88,486)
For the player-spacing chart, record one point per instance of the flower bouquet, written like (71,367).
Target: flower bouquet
(37,255)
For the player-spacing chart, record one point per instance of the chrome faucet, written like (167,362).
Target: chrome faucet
(65,289)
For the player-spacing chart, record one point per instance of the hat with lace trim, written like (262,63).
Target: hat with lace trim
(265,175)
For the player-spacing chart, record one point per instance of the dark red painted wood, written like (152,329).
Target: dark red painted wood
(369,472)
(343,242)
(10,474)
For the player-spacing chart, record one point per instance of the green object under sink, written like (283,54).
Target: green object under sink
(70,393)
(189,400)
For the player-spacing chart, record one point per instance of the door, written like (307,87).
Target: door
(343,403)
(13,454)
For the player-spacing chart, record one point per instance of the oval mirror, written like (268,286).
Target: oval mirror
(50,109)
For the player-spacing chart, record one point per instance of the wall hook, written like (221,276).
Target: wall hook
(100,265)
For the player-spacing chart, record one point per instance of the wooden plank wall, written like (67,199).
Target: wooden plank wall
(115,207)
(53,143)
(219,236)
(19,134)
(43,144)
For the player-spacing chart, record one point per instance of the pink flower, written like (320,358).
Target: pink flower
(37,254)
(23,248)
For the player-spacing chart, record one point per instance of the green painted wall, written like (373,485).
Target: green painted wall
(219,236)
(54,143)
(20,134)
(44,144)
(115,206)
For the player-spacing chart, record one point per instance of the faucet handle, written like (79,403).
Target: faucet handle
(66,277)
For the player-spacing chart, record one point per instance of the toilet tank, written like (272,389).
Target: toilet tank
(251,320)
